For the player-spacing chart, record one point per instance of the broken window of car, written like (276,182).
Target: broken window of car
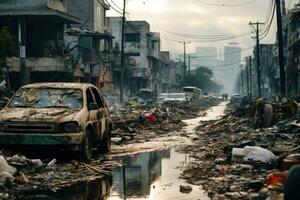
(47,98)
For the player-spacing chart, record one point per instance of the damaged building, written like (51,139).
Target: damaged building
(60,41)
(146,66)
(38,26)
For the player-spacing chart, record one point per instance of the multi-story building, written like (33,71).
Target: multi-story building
(90,42)
(40,27)
(208,57)
(168,69)
(231,67)
(59,46)
(142,55)
(293,85)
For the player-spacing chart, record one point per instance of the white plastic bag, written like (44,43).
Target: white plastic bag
(258,154)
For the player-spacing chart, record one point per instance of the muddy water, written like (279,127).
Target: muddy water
(154,175)
(211,114)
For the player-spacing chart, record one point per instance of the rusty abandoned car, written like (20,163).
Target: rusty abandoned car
(67,116)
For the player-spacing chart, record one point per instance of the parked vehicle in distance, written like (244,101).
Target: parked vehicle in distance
(193,92)
(161,97)
(177,98)
(68,116)
(147,95)
(235,98)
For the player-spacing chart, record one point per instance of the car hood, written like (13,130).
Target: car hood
(38,114)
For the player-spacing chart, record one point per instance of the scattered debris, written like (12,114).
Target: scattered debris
(235,155)
(140,123)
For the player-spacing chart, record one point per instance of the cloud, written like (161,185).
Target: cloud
(194,17)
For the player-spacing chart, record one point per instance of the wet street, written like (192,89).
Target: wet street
(154,174)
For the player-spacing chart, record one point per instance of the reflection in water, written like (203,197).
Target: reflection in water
(141,171)
(95,189)
(153,175)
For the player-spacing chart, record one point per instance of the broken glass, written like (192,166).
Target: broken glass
(47,98)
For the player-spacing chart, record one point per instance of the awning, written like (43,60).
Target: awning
(45,15)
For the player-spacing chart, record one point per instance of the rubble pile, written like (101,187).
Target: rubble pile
(232,159)
(140,123)
(22,176)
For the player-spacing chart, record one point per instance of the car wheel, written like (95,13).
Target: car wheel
(105,143)
(86,147)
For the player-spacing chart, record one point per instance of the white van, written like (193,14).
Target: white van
(193,92)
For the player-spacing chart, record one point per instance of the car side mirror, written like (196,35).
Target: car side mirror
(93,106)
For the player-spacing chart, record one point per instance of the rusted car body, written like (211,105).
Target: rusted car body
(70,116)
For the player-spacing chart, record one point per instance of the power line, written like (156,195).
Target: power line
(115,5)
(227,5)
(204,36)
(225,54)
(267,29)
(207,40)
(112,7)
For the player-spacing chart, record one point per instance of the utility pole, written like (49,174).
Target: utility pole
(122,54)
(184,57)
(242,75)
(257,57)
(280,48)
(247,77)
(24,74)
(189,65)
(250,74)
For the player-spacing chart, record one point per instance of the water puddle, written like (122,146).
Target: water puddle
(153,176)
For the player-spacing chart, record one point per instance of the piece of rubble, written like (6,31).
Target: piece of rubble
(6,178)
(185,188)
(4,167)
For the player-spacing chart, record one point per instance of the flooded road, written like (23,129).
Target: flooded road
(154,174)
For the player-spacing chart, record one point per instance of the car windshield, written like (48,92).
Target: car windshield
(47,98)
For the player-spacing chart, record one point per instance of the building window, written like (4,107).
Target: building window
(133,37)
(98,14)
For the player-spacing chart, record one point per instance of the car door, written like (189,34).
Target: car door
(101,110)
(93,115)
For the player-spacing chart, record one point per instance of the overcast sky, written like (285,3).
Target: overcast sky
(197,18)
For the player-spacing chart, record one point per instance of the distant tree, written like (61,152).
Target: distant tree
(202,78)
(8,45)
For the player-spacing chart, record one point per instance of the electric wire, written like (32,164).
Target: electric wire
(225,54)
(217,36)
(119,12)
(227,5)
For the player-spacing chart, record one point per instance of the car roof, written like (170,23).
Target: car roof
(59,85)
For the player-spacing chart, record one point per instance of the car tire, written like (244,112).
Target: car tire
(105,143)
(86,147)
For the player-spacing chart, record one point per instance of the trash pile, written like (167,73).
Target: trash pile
(236,157)
(21,176)
(140,123)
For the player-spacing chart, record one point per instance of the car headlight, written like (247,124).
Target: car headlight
(69,127)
